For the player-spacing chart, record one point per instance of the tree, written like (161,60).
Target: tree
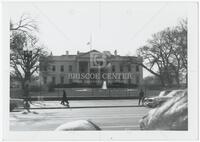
(24,58)
(25,25)
(25,51)
(165,54)
(151,80)
(181,41)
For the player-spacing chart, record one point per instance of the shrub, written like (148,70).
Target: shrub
(12,106)
(35,88)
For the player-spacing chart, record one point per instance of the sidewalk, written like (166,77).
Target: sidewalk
(57,98)
(84,104)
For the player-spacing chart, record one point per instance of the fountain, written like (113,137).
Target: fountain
(104,86)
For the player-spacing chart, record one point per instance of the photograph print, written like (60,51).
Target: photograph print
(98,66)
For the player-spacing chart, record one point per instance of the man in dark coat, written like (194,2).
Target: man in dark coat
(141,97)
(26,105)
(64,99)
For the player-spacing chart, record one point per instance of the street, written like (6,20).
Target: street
(107,114)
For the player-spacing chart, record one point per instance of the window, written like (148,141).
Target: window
(53,80)
(129,81)
(121,68)
(137,80)
(70,81)
(113,68)
(70,68)
(121,77)
(137,68)
(62,80)
(45,68)
(45,80)
(62,68)
(129,68)
(82,70)
(53,68)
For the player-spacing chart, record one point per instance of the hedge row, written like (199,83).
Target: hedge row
(80,85)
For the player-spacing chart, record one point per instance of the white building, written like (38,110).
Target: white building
(113,68)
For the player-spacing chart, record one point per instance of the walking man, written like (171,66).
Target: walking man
(27,105)
(64,99)
(141,97)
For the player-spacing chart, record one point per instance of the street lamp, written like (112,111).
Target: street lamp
(27,58)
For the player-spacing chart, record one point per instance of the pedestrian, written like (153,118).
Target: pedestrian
(26,105)
(141,97)
(64,99)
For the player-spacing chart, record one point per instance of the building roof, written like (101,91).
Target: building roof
(64,57)
(87,55)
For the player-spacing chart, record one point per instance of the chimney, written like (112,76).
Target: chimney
(115,52)
(67,52)
(77,52)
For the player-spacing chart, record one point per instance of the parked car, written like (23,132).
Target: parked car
(161,98)
(172,115)
(16,103)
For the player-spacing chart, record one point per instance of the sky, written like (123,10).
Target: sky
(109,26)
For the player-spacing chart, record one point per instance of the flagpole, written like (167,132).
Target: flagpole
(90,59)
(90,42)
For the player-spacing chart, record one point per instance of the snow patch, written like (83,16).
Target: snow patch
(78,125)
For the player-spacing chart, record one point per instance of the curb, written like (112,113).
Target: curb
(83,98)
(85,107)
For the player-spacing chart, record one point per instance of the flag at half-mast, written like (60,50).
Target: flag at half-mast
(90,42)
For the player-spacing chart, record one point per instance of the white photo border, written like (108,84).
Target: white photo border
(193,92)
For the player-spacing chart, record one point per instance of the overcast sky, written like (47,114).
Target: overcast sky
(124,26)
